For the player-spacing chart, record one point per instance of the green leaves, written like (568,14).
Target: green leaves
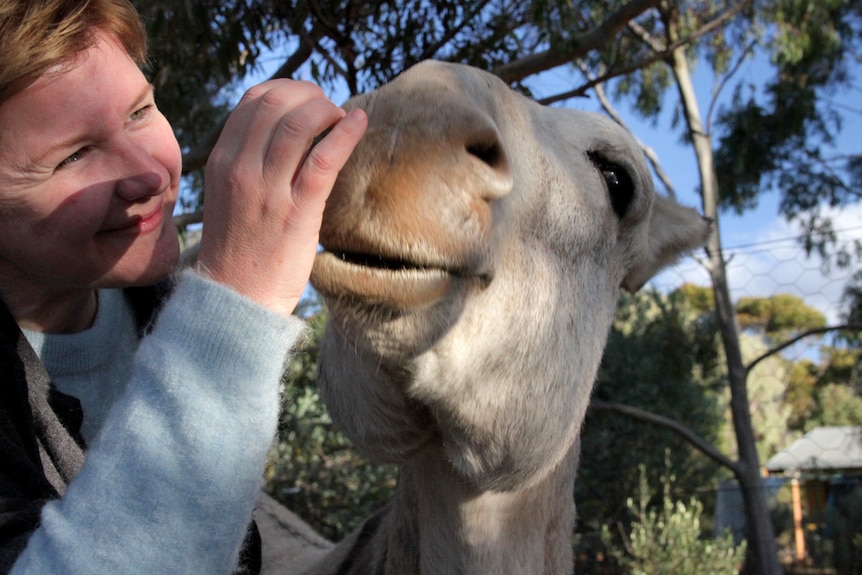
(778,316)
(780,136)
(668,539)
(661,356)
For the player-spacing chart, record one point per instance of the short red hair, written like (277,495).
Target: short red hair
(39,35)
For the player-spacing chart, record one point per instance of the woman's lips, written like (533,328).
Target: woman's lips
(140,224)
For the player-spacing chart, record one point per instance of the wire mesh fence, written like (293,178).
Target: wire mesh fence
(778,266)
(815,483)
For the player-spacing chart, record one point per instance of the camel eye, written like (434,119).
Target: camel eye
(621,187)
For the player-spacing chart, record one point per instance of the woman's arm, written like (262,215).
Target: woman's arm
(170,482)
(168,485)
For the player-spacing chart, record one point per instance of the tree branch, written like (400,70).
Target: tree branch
(801,336)
(720,88)
(690,436)
(616,72)
(450,34)
(577,47)
(645,37)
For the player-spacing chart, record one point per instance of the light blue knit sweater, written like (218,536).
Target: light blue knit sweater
(176,447)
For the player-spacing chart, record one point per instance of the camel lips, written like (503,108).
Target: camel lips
(377,261)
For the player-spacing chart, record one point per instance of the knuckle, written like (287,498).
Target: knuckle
(281,92)
(310,88)
(320,161)
(297,125)
(273,98)
(253,93)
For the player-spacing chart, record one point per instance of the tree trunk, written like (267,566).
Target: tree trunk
(762,550)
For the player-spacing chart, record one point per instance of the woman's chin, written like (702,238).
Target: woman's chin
(143,270)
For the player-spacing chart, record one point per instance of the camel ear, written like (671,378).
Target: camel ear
(673,231)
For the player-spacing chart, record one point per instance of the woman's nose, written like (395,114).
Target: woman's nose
(140,175)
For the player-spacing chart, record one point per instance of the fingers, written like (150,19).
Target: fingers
(324,161)
(298,111)
(266,188)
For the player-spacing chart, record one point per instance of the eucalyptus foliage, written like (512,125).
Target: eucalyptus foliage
(780,137)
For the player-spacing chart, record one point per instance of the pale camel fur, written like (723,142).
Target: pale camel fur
(474,247)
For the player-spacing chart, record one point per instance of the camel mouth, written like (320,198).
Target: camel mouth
(377,261)
(379,280)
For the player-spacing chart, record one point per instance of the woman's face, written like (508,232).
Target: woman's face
(89,174)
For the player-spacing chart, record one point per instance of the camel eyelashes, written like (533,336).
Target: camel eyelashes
(621,187)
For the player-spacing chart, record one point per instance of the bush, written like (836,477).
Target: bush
(668,541)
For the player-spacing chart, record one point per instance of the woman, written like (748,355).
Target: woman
(120,454)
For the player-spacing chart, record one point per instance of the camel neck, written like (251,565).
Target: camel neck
(439,524)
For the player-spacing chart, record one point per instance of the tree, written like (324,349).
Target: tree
(779,139)
(777,315)
(766,381)
(853,315)
(767,385)
(827,393)
(784,29)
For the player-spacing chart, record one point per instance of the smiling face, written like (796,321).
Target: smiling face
(89,174)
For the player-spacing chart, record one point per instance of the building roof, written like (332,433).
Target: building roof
(821,449)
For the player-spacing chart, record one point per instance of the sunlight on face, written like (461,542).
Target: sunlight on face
(89,174)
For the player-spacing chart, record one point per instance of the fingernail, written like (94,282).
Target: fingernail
(357,114)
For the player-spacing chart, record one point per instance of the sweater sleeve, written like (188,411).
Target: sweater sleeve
(169,484)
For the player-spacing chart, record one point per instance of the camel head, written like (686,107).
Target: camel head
(473,249)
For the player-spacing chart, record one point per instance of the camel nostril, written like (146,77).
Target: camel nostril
(490,153)
(498,177)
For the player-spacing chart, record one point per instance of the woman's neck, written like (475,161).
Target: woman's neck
(69,311)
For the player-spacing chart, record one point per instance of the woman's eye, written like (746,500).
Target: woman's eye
(73,158)
(140,113)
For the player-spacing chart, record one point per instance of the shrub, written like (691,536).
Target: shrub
(668,540)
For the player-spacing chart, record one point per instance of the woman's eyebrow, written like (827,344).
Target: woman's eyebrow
(56,148)
(148,91)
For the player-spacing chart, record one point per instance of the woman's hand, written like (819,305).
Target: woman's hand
(266,187)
